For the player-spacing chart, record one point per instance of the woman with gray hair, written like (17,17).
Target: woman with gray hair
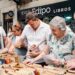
(58,22)
(61,43)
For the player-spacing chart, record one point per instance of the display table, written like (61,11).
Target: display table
(31,69)
(16,68)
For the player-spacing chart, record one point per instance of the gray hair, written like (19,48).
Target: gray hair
(59,22)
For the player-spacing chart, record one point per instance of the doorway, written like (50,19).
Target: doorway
(7,21)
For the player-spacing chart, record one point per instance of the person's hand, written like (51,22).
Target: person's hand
(70,64)
(11,49)
(34,53)
(57,62)
(4,50)
(28,61)
(11,52)
(18,44)
(33,47)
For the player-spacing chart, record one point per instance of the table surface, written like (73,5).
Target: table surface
(14,68)
(7,69)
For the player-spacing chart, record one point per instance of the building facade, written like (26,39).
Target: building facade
(7,6)
(9,9)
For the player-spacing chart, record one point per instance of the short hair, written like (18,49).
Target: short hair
(18,25)
(59,22)
(31,16)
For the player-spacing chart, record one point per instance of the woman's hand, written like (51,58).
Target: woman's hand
(57,62)
(70,64)
(11,49)
(28,61)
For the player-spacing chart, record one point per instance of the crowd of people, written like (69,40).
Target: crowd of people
(41,43)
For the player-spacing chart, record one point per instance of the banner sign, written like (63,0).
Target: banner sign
(60,8)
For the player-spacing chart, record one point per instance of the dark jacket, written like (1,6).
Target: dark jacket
(72,26)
